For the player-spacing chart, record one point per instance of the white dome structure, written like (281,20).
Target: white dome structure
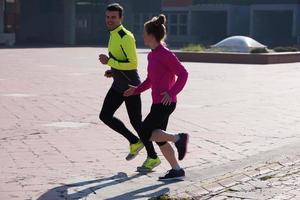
(238,44)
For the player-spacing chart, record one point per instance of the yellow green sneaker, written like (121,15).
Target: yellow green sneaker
(149,165)
(134,149)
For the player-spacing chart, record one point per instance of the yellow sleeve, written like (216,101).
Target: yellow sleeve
(129,50)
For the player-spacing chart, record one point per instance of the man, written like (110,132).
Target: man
(123,62)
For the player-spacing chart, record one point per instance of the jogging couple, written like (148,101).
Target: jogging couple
(163,68)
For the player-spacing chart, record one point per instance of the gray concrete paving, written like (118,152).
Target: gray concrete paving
(243,121)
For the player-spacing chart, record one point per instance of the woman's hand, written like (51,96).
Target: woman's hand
(167,99)
(130,91)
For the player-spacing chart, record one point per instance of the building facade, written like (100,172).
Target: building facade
(8,13)
(82,22)
(272,22)
(67,22)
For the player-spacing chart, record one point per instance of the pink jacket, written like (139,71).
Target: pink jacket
(163,66)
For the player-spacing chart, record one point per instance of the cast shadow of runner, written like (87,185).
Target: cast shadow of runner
(137,194)
(61,192)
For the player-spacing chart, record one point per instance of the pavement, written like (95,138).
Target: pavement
(243,122)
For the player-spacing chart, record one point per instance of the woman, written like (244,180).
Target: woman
(163,67)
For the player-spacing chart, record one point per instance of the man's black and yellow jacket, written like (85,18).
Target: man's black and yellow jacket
(123,59)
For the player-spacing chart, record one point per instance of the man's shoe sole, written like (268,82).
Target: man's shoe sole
(174,178)
(143,169)
(133,156)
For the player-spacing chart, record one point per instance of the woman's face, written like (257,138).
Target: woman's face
(148,38)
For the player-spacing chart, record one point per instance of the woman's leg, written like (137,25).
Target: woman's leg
(176,172)
(159,135)
(169,154)
(166,148)
(180,140)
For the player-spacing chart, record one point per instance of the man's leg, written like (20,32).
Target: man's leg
(134,109)
(154,120)
(112,102)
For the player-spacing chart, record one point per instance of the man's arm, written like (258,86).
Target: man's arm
(129,50)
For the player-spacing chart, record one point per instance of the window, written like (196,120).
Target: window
(11,16)
(53,6)
(82,23)
(139,20)
(177,23)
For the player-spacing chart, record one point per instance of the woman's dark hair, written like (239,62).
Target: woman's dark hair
(156,27)
(115,7)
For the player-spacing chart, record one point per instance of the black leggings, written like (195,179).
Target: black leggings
(112,102)
(157,119)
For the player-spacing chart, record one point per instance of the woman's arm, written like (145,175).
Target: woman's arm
(133,90)
(174,65)
(145,85)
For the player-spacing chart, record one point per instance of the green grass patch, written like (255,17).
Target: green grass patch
(285,49)
(193,47)
(259,50)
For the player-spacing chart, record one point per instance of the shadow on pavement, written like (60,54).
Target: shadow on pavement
(61,192)
(137,194)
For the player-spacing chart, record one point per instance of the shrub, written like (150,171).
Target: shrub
(259,50)
(193,47)
(285,49)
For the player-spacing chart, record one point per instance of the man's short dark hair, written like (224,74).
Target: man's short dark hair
(115,7)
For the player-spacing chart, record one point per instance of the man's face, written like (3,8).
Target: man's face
(112,19)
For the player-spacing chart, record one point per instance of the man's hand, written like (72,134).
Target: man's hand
(108,74)
(103,59)
(130,91)
(167,99)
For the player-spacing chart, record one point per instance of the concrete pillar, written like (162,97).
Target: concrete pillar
(70,22)
(294,28)
(189,23)
(1,16)
(230,21)
(251,31)
(297,24)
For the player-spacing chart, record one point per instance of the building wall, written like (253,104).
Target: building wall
(1,16)
(297,24)
(90,22)
(238,20)
(80,22)
(176,3)
(69,22)
(273,23)
(246,2)
(92,18)
(41,22)
(212,30)
(137,13)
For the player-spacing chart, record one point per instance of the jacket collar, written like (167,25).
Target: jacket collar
(117,29)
